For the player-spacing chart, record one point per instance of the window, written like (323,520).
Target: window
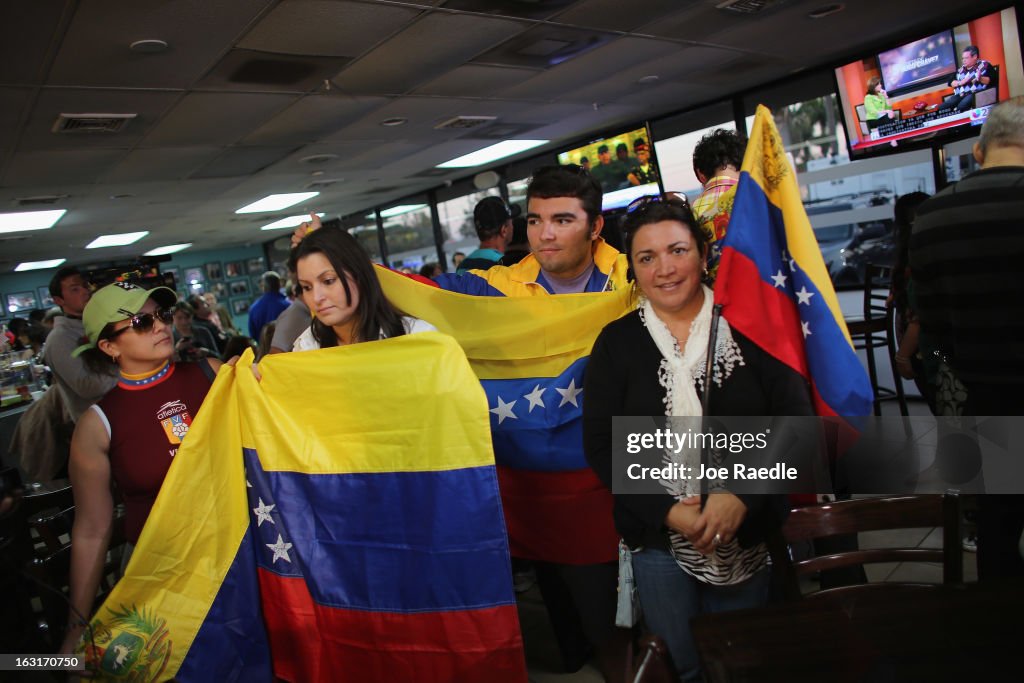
(457,228)
(409,235)
(675,160)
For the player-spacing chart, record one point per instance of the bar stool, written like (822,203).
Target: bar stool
(876,330)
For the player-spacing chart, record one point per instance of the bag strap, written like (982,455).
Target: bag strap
(207,369)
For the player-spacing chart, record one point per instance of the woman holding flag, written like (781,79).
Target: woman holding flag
(342,291)
(690,554)
(130,437)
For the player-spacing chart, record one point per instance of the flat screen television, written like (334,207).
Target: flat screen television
(624,164)
(914,103)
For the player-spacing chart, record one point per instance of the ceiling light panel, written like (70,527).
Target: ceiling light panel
(491,153)
(30,220)
(276,202)
(116,240)
(169,249)
(39,265)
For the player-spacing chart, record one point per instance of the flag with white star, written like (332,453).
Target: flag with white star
(773,283)
(530,354)
(340,518)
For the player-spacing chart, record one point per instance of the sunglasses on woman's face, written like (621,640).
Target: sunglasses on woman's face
(673,198)
(143,322)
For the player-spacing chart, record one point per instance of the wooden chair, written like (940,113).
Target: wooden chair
(878,330)
(49,566)
(870,514)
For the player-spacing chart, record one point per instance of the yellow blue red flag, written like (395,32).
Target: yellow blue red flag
(530,354)
(339,520)
(773,284)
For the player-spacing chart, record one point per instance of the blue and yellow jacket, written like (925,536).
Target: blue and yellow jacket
(525,278)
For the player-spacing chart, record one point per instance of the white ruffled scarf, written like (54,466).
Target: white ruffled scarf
(681,372)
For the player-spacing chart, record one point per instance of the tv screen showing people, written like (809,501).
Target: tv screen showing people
(933,89)
(623,164)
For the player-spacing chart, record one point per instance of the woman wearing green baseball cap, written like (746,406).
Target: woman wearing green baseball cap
(129,438)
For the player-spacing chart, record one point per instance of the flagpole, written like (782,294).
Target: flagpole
(709,373)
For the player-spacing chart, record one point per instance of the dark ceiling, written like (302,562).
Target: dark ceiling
(253,97)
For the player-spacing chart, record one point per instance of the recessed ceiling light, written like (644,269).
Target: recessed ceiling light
(30,220)
(39,265)
(116,240)
(400,209)
(394,121)
(169,249)
(276,202)
(491,153)
(289,222)
(647,80)
(150,45)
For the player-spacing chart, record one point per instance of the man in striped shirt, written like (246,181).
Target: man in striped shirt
(967,264)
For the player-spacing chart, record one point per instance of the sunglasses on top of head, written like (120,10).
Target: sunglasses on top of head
(143,322)
(672,198)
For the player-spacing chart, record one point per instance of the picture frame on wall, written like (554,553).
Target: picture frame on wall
(257,284)
(45,300)
(219,290)
(173,273)
(239,288)
(16,302)
(234,269)
(192,276)
(240,306)
(214,271)
(256,266)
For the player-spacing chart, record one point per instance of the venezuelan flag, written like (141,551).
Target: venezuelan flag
(773,284)
(339,520)
(530,354)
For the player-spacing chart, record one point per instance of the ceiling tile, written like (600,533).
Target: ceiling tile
(476,80)
(326,28)
(144,165)
(96,52)
(242,161)
(616,15)
(545,46)
(51,168)
(203,118)
(531,9)
(255,71)
(313,117)
(590,68)
(27,32)
(427,49)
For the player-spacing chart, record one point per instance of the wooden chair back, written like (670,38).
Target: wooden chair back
(871,514)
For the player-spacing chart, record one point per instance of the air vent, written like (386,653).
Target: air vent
(464,122)
(91,123)
(40,200)
(746,6)
(271,72)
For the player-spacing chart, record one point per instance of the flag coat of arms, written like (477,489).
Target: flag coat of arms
(773,283)
(339,520)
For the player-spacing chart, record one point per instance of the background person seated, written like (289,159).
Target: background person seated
(877,108)
(974,76)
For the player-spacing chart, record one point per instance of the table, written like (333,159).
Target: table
(881,632)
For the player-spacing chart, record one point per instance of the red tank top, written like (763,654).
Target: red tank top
(147,423)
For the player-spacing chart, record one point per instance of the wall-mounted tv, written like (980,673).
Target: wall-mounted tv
(624,164)
(931,90)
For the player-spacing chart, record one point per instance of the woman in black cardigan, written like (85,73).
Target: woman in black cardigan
(689,555)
